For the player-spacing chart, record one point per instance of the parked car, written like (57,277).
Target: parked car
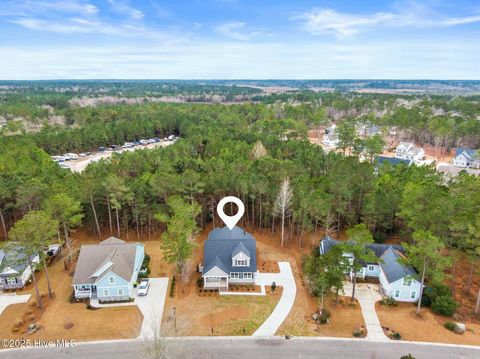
(136,143)
(70,156)
(63,165)
(143,142)
(52,250)
(156,139)
(171,137)
(83,154)
(143,287)
(101,149)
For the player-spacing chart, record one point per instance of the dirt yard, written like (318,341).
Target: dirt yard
(60,314)
(428,327)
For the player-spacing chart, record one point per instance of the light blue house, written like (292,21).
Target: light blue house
(108,270)
(396,279)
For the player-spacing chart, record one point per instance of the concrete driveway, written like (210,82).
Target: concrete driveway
(11,298)
(286,280)
(367,295)
(150,305)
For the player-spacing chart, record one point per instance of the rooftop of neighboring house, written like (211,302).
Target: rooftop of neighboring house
(380,160)
(13,261)
(223,244)
(404,146)
(111,255)
(387,253)
(468,152)
(455,171)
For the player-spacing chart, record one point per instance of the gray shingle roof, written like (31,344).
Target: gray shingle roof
(388,253)
(222,243)
(14,259)
(94,256)
(392,268)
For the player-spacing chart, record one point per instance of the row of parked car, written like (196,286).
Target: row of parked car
(143,142)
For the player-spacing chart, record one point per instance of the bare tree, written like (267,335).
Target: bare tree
(282,204)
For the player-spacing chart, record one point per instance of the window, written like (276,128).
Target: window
(407,281)
(247,275)
(106,293)
(234,275)
(397,293)
(112,280)
(120,291)
(241,263)
(371,268)
(413,294)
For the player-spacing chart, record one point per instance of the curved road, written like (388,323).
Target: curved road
(248,347)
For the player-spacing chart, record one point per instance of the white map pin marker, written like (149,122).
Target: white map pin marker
(230,221)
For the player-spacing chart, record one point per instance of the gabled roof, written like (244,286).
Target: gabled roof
(387,253)
(405,146)
(14,260)
(380,160)
(469,152)
(392,268)
(240,248)
(221,245)
(96,260)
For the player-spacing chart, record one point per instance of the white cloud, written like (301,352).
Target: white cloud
(124,8)
(25,7)
(331,22)
(237,30)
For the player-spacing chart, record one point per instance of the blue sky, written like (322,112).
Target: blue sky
(200,39)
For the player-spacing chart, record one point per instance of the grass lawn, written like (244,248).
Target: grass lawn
(428,327)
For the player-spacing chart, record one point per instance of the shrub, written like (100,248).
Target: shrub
(273,286)
(407,356)
(444,305)
(324,316)
(200,282)
(357,333)
(396,336)
(388,302)
(450,326)
(172,287)
(431,293)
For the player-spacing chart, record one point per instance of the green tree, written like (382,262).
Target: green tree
(425,255)
(179,219)
(68,212)
(30,235)
(356,246)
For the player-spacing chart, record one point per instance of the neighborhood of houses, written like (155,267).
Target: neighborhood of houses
(407,153)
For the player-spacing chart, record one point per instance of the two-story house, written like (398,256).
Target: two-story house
(330,139)
(229,258)
(15,269)
(396,279)
(107,271)
(466,158)
(408,151)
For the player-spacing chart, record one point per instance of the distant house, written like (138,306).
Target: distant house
(380,160)
(396,280)
(330,138)
(367,130)
(408,151)
(466,158)
(15,270)
(229,258)
(108,270)
(451,171)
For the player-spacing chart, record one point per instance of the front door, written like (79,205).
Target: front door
(94,291)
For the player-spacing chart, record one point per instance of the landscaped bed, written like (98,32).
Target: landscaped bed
(428,327)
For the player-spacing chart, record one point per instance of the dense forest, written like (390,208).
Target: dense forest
(257,152)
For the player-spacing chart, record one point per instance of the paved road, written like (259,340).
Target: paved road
(239,348)
(80,164)
(284,279)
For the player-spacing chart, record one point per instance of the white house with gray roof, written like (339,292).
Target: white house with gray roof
(229,258)
(107,271)
(15,269)
(396,280)
(408,151)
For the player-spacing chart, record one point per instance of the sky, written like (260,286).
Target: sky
(239,39)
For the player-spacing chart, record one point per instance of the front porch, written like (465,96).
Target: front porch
(220,283)
(85,291)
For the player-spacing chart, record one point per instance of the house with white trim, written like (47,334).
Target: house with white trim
(330,139)
(408,151)
(107,271)
(396,279)
(466,158)
(230,257)
(15,268)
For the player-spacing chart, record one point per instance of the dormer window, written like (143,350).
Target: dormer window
(112,280)
(241,263)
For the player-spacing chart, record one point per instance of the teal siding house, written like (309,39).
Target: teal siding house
(108,270)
